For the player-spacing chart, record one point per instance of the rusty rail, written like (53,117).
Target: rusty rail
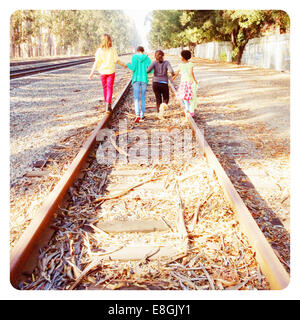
(24,255)
(270,265)
(34,70)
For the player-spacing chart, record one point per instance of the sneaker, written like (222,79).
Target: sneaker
(137,119)
(107,107)
(163,107)
(142,119)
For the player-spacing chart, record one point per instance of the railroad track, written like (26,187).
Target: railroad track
(129,214)
(49,67)
(29,62)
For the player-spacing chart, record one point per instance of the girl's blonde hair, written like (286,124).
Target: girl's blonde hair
(106,42)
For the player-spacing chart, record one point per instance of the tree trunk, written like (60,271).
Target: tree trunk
(239,55)
(192,47)
(240,47)
(233,38)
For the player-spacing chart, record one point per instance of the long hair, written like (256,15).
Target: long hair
(106,42)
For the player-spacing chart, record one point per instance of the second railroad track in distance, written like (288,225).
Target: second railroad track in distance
(38,67)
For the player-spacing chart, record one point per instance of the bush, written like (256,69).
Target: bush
(223,56)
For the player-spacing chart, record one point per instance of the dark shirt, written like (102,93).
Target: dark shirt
(160,70)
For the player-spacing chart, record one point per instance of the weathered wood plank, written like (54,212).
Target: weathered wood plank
(114,187)
(133,226)
(120,172)
(143,252)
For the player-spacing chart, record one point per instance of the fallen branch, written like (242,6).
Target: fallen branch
(120,150)
(150,254)
(164,220)
(240,285)
(196,214)
(91,266)
(208,277)
(122,193)
(187,175)
(102,181)
(185,279)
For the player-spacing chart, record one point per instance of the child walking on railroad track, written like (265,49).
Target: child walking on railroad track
(160,80)
(139,64)
(105,62)
(187,90)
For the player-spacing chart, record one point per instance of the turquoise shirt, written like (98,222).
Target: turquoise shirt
(139,64)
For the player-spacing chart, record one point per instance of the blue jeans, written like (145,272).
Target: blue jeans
(138,87)
(186,105)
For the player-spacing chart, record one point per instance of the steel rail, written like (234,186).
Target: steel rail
(18,73)
(270,265)
(21,63)
(30,71)
(24,255)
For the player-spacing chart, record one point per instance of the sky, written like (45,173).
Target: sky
(138,17)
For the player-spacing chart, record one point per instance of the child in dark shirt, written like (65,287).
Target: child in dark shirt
(160,80)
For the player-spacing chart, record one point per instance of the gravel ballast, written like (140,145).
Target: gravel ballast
(51,115)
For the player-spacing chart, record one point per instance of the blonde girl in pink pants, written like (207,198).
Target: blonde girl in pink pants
(105,62)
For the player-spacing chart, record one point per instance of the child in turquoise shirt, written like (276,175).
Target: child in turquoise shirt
(139,64)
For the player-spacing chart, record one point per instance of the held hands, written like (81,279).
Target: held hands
(122,64)
(92,72)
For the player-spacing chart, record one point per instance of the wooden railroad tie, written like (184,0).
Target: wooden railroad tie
(140,252)
(133,226)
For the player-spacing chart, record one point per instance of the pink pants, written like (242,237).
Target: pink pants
(107,84)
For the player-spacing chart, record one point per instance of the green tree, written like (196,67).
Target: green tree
(24,25)
(191,27)
(174,28)
(243,25)
(82,29)
(166,29)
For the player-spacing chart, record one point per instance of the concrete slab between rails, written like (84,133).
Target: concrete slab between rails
(133,226)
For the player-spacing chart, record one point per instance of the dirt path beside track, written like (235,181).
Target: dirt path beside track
(245,114)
